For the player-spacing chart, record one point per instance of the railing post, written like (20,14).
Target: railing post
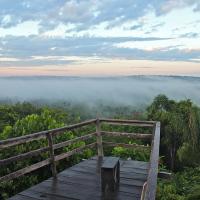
(51,153)
(99,139)
(150,193)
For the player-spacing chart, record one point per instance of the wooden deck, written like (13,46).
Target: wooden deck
(82,182)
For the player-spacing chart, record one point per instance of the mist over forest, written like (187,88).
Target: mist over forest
(136,91)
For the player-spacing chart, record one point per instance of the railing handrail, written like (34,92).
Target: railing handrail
(42,134)
(150,188)
(126,121)
(140,123)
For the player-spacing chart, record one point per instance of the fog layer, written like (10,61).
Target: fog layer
(134,90)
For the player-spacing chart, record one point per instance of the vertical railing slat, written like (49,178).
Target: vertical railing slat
(99,139)
(51,153)
(150,193)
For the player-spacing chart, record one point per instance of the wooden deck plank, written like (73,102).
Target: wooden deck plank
(91,182)
(82,182)
(21,197)
(41,196)
(73,191)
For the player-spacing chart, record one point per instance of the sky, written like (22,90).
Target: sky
(99,37)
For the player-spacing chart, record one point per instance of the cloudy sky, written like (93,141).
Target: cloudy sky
(99,37)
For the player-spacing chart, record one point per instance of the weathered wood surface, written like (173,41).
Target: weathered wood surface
(99,139)
(25,170)
(110,162)
(110,176)
(128,135)
(150,192)
(113,144)
(23,156)
(72,141)
(51,154)
(45,149)
(129,122)
(36,136)
(82,182)
(38,165)
(74,151)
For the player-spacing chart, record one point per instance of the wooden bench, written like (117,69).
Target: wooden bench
(110,175)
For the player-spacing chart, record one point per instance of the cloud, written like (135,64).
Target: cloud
(154,27)
(78,11)
(164,7)
(197,8)
(54,27)
(84,13)
(190,35)
(10,62)
(50,51)
(136,27)
(161,54)
(34,45)
(49,12)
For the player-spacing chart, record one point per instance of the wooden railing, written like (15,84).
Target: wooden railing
(149,190)
(151,184)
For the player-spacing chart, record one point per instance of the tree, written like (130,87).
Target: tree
(180,136)
(48,119)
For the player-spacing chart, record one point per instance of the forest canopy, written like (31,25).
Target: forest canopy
(179,148)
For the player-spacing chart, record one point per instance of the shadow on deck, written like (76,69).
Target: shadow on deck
(83,182)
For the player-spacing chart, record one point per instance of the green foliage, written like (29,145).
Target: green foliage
(18,122)
(195,195)
(180,141)
(131,153)
(168,192)
(9,114)
(184,185)
(47,119)
(180,130)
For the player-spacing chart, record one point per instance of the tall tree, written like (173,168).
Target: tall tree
(180,136)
